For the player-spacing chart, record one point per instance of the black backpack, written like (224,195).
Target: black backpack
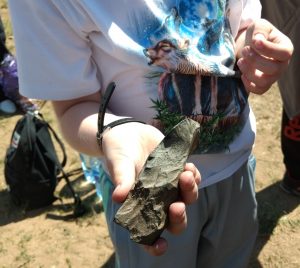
(32,166)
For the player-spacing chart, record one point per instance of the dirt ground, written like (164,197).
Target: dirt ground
(51,238)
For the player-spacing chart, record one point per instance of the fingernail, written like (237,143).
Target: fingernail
(161,246)
(240,62)
(259,40)
(259,36)
(246,52)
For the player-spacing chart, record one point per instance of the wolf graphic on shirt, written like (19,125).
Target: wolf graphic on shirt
(192,51)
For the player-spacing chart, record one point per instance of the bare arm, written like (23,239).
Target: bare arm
(125,148)
(78,121)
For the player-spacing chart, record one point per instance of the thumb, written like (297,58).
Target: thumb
(268,41)
(123,175)
(260,29)
(263,29)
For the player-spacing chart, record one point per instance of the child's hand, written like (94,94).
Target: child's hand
(264,57)
(188,184)
(126,148)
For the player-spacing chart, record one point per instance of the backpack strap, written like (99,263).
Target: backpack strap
(64,160)
(79,209)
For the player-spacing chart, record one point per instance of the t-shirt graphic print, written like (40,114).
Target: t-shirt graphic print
(191,49)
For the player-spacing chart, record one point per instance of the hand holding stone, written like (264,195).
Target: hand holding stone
(145,211)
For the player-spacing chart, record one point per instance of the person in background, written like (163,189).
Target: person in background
(285,15)
(169,60)
(10,99)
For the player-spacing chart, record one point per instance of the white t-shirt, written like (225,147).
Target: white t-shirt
(175,53)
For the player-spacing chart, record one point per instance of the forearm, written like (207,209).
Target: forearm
(78,121)
(79,126)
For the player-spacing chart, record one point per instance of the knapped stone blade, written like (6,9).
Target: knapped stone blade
(145,210)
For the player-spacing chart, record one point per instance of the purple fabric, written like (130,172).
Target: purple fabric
(9,84)
(9,78)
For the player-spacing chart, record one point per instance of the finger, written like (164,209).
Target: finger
(188,187)
(191,167)
(177,218)
(265,65)
(252,87)
(158,248)
(259,27)
(280,50)
(267,40)
(255,76)
(122,172)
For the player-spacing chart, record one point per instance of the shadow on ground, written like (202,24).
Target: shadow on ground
(273,204)
(110,263)
(61,209)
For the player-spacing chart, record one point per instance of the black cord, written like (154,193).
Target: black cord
(103,105)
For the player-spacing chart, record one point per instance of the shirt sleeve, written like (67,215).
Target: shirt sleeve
(54,58)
